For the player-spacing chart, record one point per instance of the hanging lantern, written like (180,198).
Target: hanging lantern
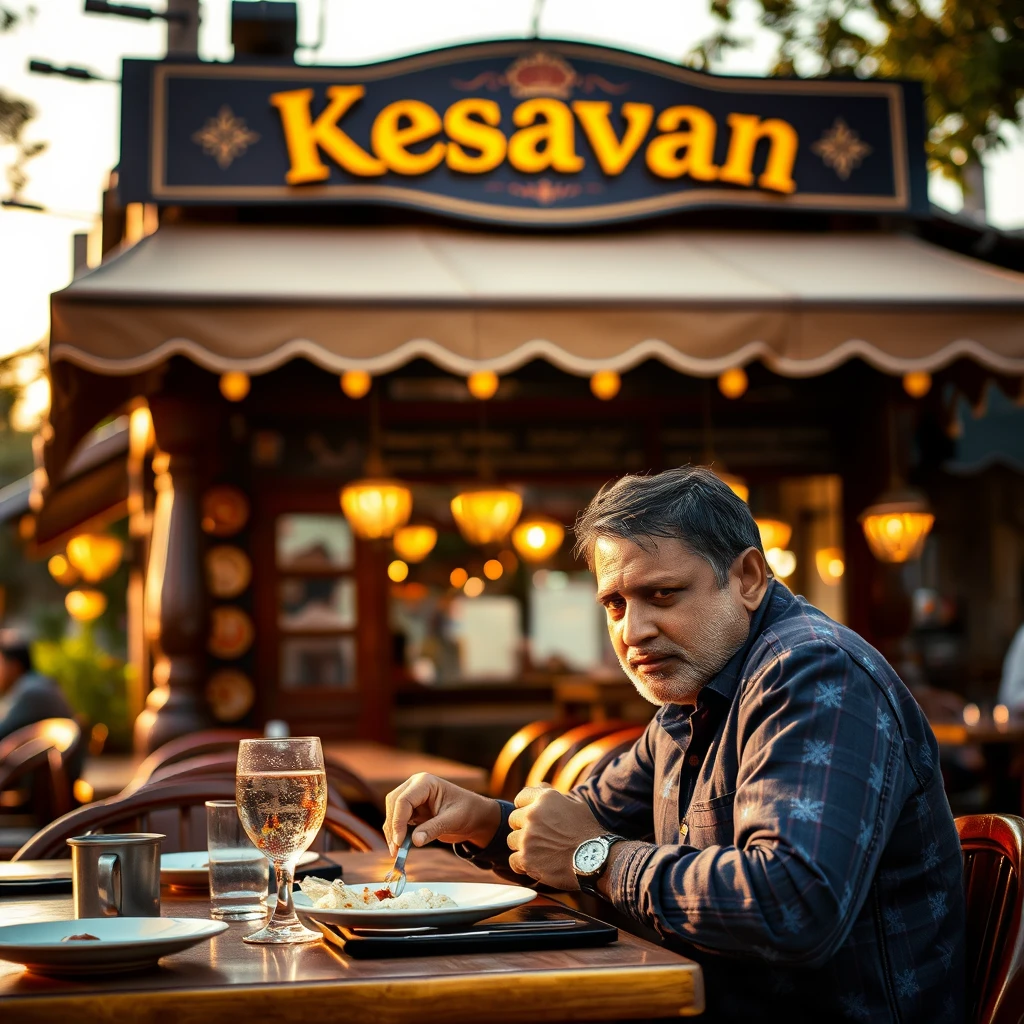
(234,385)
(415,542)
(896,525)
(733,382)
(605,384)
(917,383)
(95,555)
(62,570)
(355,383)
(736,484)
(487,514)
(774,533)
(782,562)
(830,565)
(538,538)
(376,507)
(85,605)
(482,384)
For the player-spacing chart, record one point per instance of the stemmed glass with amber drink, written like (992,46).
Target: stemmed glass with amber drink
(281,791)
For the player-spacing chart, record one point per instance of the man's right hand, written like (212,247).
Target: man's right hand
(439,810)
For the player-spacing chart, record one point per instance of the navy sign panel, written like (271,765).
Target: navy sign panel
(524,132)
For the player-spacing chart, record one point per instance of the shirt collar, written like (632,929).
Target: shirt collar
(775,599)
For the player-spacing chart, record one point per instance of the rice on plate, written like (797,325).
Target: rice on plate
(336,895)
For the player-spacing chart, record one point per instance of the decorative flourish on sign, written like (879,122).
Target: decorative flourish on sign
(540,74)
(841,149)
(545,191)
(225,137)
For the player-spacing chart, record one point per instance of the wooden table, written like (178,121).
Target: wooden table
(226,980)
(381,766)
(384,768)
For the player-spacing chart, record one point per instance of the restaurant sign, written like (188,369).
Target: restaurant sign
(524,132)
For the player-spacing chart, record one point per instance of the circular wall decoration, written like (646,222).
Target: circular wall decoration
(230,694)
(231,632)
(225,511)
(228,570)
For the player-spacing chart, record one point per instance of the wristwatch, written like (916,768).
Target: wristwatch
(590,859)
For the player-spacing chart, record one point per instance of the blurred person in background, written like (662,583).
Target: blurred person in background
(25,695)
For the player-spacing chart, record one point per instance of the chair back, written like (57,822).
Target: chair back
(176,809)
(562,748)
(44,758)
(516,757)
(222,765)
(592,758)
(209,741)
(993,848)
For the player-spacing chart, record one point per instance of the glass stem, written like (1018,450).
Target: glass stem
(284,912)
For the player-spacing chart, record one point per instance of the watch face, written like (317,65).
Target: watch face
(590,856)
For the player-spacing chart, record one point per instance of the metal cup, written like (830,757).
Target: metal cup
(116,875)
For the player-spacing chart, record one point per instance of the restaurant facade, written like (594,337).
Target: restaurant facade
(364,340)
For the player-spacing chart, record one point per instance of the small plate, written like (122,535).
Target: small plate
(192,870)
(475,901)
(125,943)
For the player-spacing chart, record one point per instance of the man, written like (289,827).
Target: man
(782,818)
(25,696)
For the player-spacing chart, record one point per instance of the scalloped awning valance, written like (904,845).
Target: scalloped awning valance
(252,297)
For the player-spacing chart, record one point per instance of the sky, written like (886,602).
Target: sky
(79,120)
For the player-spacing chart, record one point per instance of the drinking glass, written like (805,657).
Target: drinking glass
(238,871)
(281,791)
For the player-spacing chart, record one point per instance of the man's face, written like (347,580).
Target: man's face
(673,628)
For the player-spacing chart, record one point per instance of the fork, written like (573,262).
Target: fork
(395,879)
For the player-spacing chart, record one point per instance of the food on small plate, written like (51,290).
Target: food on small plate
(83,937)
(336,895)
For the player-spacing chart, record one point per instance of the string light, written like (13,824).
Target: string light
(733,382)
(482,384)
(917,383)
(234,385)
(355,383)
(458,578)
(493,569)
(605,384)
(398,571)
(473,587)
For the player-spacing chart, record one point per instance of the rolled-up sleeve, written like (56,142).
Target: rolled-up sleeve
(821,760)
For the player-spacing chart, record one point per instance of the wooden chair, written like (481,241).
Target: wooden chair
(209,741)
(993,847)
(560,750)
(594,756)
(38,766)
(518,754)
(176,809)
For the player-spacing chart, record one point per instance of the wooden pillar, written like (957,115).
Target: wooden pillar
(176,612)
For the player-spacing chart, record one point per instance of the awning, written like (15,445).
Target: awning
(248,297)
(252,297)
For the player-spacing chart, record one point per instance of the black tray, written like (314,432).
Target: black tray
(524,928)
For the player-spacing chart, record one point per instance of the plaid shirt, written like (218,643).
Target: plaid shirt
(792,834)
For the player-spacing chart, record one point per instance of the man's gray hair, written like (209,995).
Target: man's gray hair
(689,504)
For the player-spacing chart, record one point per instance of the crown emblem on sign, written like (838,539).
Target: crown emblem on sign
(541,74)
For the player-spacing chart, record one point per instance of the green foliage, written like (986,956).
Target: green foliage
(969,55)
(15,114)
(95,682)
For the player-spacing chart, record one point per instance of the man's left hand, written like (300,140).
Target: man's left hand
(547,826)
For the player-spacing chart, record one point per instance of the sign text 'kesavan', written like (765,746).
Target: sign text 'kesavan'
(468,138)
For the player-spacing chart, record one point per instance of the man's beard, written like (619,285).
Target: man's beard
(685,673)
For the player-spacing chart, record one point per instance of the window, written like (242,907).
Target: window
(316,602)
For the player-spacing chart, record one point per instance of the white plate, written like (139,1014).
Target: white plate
(476,901)
(192,870)
(125,943)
